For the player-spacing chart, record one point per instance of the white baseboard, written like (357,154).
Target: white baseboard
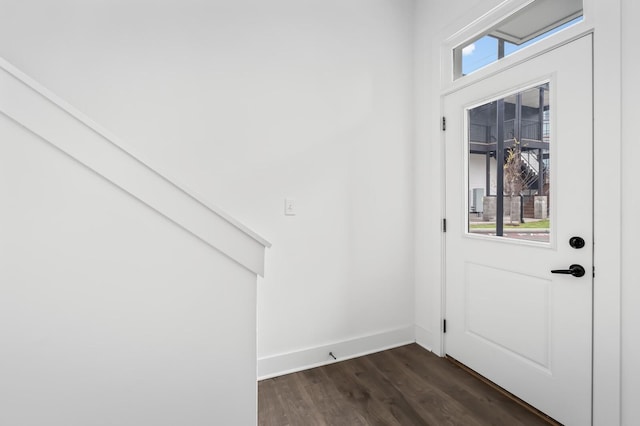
(291,362)
(424,338)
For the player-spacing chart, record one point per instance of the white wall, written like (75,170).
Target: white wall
(109,312)
(249,102)
(630,207)
(478,173)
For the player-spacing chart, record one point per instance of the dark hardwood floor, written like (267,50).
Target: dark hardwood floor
(403,386)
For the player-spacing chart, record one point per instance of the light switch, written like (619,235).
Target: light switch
(289,207)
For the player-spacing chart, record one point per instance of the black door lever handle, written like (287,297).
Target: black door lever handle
(575,270)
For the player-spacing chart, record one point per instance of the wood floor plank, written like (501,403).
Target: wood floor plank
(434,404)
(298,410)
(396,401)
(358,395)
(404,386)
(478,397)
(271,411)
(329,408)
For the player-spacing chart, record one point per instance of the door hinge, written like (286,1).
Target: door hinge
(444,124)
(594,271)
(444,325)
(444,225)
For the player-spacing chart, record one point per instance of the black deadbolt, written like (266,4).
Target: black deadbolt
(576,242)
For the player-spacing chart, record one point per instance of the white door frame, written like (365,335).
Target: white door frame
(602,17)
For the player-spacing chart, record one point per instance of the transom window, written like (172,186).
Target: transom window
(534,22)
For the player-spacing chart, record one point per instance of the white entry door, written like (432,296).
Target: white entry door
(508,316)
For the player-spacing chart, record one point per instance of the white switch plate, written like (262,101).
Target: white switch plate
(290,207)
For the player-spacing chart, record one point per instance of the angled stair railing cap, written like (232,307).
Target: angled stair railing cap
(52,119)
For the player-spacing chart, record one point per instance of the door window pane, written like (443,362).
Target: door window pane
(508,145)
